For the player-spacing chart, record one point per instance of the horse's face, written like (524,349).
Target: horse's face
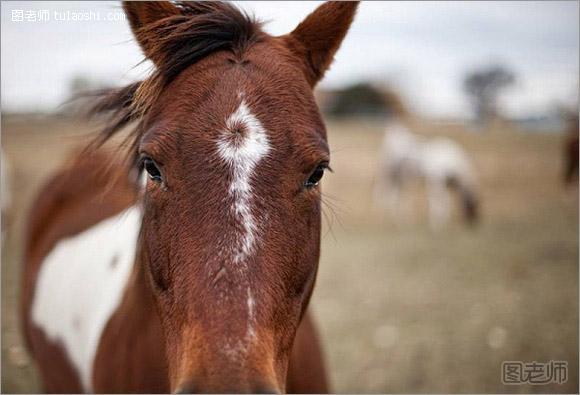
(232,214)
(234,148)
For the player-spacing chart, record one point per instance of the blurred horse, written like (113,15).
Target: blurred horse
(571,151)
(440,162)
(198,278)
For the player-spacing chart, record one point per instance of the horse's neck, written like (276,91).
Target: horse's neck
(138,303)
(137,306)
(133,337)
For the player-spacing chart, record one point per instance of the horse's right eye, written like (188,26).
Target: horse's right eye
(152,170)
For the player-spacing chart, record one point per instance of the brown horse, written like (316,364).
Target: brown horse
(197,278)
(570,150)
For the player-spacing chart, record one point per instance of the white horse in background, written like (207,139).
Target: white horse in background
(440,162)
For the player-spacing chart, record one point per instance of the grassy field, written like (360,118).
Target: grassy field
(401,308)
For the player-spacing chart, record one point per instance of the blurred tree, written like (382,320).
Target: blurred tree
(359,99)
(483,86)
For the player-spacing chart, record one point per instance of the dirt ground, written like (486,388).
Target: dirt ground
(401,308)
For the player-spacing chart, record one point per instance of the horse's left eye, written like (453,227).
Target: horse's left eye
(316,176)
(152,170)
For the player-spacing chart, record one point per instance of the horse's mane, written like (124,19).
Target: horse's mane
(174,43)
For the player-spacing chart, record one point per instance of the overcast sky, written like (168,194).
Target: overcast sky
(422,48)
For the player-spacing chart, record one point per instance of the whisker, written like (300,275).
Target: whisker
(331,203)
(329,220)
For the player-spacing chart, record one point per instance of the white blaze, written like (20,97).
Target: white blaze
(242,152)
(81,284)
(243,156)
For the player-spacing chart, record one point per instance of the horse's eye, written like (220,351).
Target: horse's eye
(316,176)
(152,170)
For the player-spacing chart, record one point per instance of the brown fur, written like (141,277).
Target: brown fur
(185,307)
(134,333)
(77,197)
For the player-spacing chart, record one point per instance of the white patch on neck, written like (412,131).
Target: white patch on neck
(81,284)
(243,157)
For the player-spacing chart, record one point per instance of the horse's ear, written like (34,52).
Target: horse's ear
(142,15)
(316,39)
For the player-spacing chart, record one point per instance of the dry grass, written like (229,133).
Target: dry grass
(400,308)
